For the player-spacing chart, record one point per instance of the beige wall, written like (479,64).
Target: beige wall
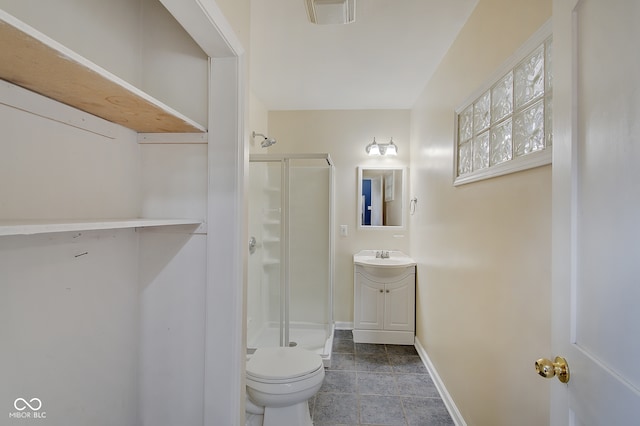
(344,135)
(258,122)
(238,14)
(483,249)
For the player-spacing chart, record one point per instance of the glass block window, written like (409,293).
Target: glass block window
(481,151)
(501,146)
(502,98)
(507,127)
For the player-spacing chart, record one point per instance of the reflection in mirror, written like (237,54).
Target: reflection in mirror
(380,196)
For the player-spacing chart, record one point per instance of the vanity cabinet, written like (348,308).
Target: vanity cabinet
(384,310)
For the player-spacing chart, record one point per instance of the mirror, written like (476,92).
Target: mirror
(381,197)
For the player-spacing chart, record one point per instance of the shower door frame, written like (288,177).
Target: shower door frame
(285,288)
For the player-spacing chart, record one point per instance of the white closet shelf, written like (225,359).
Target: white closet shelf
(30,227)
(34,61)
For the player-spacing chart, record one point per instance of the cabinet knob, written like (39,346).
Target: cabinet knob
(387,291)
(381,290)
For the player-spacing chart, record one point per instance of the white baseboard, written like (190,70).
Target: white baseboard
(343,325)
(446,398)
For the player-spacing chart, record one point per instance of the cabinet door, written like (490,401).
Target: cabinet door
(399,305)
(369,304)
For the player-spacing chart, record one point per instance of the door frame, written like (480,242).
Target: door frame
(563,179)
(227,212)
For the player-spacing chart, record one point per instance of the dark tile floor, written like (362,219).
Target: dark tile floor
(371,384)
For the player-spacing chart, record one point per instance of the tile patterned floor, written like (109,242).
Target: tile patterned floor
(371,384)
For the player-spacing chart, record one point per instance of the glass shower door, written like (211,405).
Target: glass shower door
(309,251)
(290,282)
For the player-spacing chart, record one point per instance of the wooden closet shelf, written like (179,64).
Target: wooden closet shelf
(32,60)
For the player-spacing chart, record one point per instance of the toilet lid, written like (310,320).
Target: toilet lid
(282,363)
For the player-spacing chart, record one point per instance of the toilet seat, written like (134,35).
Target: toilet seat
(282,364)
(254,381)
(282,380)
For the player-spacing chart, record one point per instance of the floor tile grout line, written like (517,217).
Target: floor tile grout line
(394,359)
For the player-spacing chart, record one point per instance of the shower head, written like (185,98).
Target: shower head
(266,142)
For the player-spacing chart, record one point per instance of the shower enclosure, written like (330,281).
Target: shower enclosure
(290,284)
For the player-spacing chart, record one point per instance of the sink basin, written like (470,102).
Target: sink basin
(396,259)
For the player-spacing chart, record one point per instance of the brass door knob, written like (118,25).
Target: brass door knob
(558,368)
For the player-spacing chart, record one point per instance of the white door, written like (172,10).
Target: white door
(596,211)
(376,201)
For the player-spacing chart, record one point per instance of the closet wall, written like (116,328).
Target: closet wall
(105,326)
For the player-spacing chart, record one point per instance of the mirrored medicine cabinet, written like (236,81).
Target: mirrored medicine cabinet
(380,197)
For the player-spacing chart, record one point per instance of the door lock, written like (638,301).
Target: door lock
(548,369)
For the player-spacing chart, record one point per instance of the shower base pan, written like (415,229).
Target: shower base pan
(307,336)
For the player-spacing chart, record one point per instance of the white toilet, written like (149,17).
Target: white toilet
(282,380)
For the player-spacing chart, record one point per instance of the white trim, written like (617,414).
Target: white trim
(207,25)
(442,390)
(343,325)
(529,161)
(225,349)
(25,100)
(173,138)
(225,346)
(31,227)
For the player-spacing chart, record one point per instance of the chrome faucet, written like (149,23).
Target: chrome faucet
(384,254)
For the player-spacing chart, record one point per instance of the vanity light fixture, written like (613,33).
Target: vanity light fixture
(388,149)
(328,12)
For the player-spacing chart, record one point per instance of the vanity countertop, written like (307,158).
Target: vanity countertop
(396,259)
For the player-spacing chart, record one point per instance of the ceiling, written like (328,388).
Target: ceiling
(381,61)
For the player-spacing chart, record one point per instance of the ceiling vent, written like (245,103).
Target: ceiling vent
(331,12)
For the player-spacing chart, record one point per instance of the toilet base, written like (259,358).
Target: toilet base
(297,414)
(254,420)
(254,415)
